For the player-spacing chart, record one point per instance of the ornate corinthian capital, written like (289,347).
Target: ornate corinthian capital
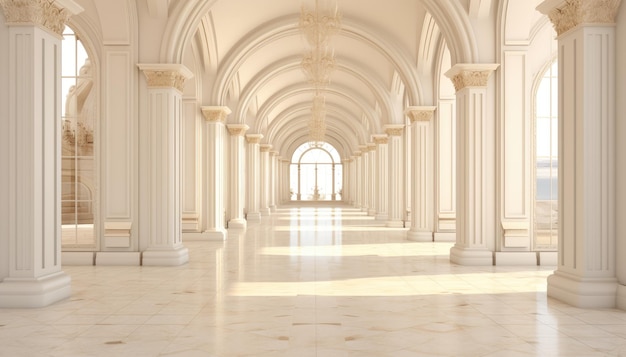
(420,114)
(166,75)
(215,114)
(470,75)
(567,14)
(237,129)
(394,130)
(44,13)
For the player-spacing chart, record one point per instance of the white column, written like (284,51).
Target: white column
(254,179)
(475,235)
(353,180)
(372,179)
(421,167)
(396,176)
(193,124)
(358,180)
(165,84)
(33,125)
(586,271)
(445,170)
(237,175)
(382,176)
(345,183)
(273,177)
(365,178)
(265,180)
(286,188)
(215,135)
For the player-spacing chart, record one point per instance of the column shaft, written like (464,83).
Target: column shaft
(253,176)
(265,180)
(164,245)
(237,175)
(396,176)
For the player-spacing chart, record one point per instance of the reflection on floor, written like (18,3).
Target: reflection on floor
(312,282)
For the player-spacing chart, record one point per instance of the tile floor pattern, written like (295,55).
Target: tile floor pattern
(312,282)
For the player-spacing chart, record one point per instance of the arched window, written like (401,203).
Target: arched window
(316,173)
(78,167)
(546,166)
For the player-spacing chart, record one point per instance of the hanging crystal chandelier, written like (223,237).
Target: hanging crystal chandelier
(318,64)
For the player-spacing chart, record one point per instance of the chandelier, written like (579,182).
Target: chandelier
(318,64)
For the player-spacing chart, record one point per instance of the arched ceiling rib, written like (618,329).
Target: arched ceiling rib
(252,65)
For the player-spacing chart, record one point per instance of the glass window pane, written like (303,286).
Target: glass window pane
(543,99)
(543,137)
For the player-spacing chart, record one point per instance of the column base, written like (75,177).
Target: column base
(118,258)
(515,259)
(419,236)
(237,223)
(395,224)
(174,257)
(470,257)
(444,237)
(35,292)
(254,217)
(371,212)
(586,293)
(382,217)
(621,297)
(265,212)
(273,208)
(364,209)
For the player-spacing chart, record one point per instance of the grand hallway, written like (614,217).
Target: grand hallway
(312,282)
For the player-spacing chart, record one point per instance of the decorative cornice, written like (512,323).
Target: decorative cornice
(254,138)
(166,75)
(44,13)
(237,129)
(420,114)
(215,114)
(567,14)
(470,75)
(394,130)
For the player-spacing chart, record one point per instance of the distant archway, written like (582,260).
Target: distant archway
(316,173)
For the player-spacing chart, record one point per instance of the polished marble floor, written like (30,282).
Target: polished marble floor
(312,282)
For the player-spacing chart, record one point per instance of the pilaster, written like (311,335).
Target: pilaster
(421,167)
(214,138)
(475,234)
(237,175)
(32,210)
(254,180)
(396,176)
(586,271)
(165,84)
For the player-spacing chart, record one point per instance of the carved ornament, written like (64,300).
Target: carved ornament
(381,140)
(395,131)
(237,129)
(576,12)
(165,79)
(215,114)
(265,148)
(420,115)
(253,139)
(470,79)
(40,12)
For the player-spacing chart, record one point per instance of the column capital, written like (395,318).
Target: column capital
(470,74)
(237,129)
(165,75)
(371,146)
(363,149)
(394,130)
(254,138)
(52,15)
(265,147)
(380,139)
(273,153)
(356,154)
(420,114)
(215,114)
(567,14)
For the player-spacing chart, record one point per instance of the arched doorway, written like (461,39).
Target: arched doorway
(316,173)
